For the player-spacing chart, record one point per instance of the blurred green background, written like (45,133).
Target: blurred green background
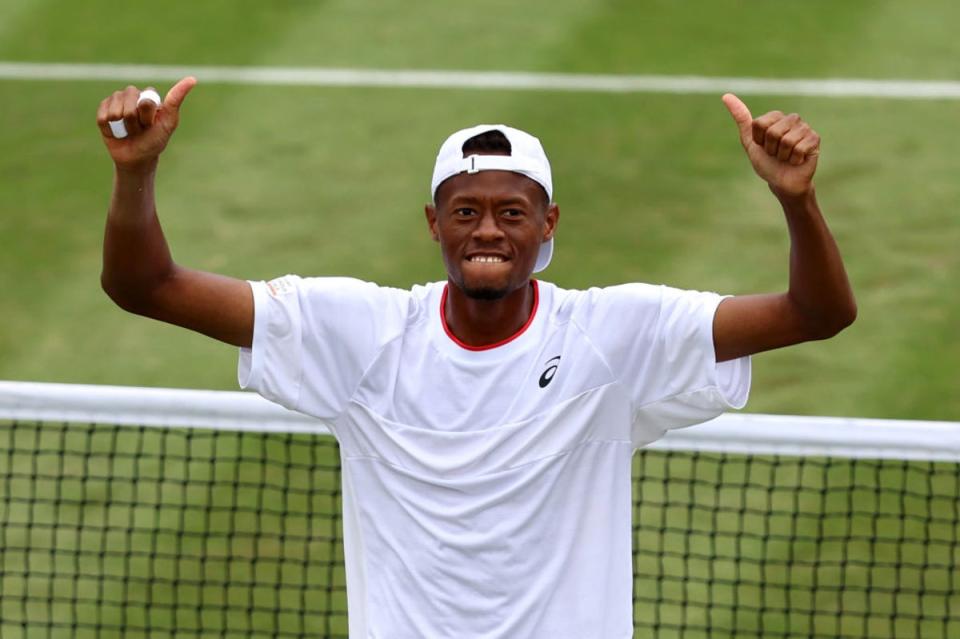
(261,181)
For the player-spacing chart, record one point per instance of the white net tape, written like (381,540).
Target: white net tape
(730,433)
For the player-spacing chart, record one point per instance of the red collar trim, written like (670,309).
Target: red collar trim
(486,347)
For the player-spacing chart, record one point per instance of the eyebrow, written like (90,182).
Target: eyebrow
(510,199)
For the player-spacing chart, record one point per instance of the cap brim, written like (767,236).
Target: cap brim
(544,256)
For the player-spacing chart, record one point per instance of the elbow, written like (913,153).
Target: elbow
(111,289)
(114,292)
(122,295)
(846,314)
(838,320)
(824,318)
(851,314)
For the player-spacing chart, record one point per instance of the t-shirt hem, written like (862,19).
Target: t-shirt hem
(731,379)
(250,364)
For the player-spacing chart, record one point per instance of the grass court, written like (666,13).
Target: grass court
(265,180)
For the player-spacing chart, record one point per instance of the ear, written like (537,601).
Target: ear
(551,219)
(430,211)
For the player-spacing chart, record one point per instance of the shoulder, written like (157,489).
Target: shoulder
(346,289)
(570,304)
(338,299)
(345,286)
(634,310)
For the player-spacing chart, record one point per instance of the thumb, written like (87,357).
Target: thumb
(741,115)
(178,92)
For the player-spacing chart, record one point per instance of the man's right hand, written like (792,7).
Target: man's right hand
(149,127)
(138,272)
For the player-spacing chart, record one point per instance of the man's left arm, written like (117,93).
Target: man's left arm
(819,302)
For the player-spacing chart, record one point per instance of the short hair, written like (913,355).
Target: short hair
(490,142)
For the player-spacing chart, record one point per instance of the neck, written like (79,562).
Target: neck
(483,323)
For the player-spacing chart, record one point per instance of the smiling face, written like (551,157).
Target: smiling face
(490,225)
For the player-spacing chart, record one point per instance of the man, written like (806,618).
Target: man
(486,423)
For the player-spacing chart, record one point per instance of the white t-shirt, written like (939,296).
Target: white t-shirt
(486,492)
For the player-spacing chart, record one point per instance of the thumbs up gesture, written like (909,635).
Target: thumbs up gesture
(782,148)
(148,126)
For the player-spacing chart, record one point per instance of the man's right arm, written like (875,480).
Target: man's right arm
(138,272)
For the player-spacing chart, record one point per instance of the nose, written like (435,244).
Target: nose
(487,228)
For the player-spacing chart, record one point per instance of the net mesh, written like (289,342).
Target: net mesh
(770,546)
(113,531)
(117,531)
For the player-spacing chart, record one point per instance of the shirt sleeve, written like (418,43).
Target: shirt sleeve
(314,338)
(658,343)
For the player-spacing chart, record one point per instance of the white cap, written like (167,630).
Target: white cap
(526,157)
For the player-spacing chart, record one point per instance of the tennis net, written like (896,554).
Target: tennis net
(131,512)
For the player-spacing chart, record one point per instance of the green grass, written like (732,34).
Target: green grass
(159,532)
(651,188)
(262,181)
(128,528)
(730,547)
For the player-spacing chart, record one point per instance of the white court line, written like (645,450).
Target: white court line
(290,76)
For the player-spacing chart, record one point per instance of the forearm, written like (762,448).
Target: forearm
(819,287)
(136,259)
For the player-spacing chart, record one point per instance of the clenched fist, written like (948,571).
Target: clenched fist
(782,148)
(149,126)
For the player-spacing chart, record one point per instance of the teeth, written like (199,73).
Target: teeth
(486,259)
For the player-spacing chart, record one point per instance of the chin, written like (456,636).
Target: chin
(489,293)
(482,288)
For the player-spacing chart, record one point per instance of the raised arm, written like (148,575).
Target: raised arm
(819,302)
(139,273)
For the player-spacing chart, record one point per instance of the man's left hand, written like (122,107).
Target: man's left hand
(782,147)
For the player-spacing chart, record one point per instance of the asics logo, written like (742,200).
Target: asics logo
(548,374)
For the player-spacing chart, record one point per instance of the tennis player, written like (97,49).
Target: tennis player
(486,422)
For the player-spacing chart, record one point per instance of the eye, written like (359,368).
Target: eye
(464,211)
(512,213)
